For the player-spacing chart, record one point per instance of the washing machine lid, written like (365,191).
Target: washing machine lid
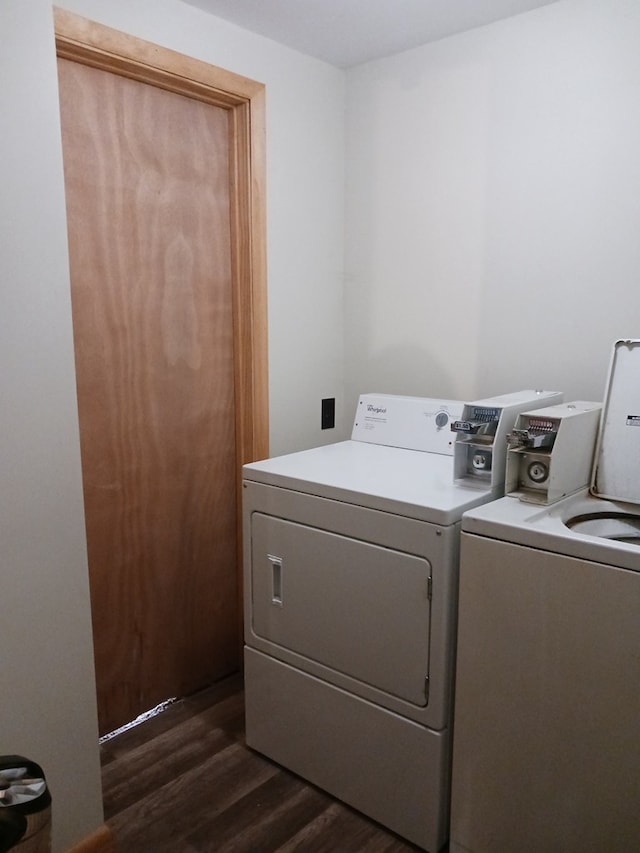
(616,469)
(392,479)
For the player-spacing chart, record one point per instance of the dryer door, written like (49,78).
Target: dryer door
(357,608)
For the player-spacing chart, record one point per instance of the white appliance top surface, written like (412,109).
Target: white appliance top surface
(511,520)
(412,483)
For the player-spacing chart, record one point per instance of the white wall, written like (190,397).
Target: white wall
(493,201)
(47,690)
(305,197)
(492,204)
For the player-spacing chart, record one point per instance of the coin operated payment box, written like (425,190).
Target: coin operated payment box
(550,452)
(481,436)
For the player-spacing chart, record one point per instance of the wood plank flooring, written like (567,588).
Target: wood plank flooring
(185,782)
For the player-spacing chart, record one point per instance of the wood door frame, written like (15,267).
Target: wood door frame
(98,46)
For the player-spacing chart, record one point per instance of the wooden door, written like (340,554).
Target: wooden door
(149,179)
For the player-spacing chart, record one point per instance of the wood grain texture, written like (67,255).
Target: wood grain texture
(93,44)
(147,184)
(185,781)
(98,47)
(100,841)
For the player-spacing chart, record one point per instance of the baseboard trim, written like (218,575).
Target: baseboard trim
(100,841)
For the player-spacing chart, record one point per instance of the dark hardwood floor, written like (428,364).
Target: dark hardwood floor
(184,781)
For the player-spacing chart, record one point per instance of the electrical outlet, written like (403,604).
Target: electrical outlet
(328,417)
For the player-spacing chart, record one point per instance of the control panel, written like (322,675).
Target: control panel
(414,423)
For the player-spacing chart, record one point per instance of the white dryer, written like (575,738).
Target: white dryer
(546,752)
(351,560)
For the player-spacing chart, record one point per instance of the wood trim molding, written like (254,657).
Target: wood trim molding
(100,841)
(90,43)
(94,44)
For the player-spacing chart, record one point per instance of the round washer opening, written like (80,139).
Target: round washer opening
(617,526)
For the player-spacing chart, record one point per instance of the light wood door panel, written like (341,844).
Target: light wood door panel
(147,175)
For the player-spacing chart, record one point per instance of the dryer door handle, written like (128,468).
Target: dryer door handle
(276,579)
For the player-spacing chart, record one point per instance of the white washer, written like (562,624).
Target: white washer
(351,557)
(547,713)
(546,752)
